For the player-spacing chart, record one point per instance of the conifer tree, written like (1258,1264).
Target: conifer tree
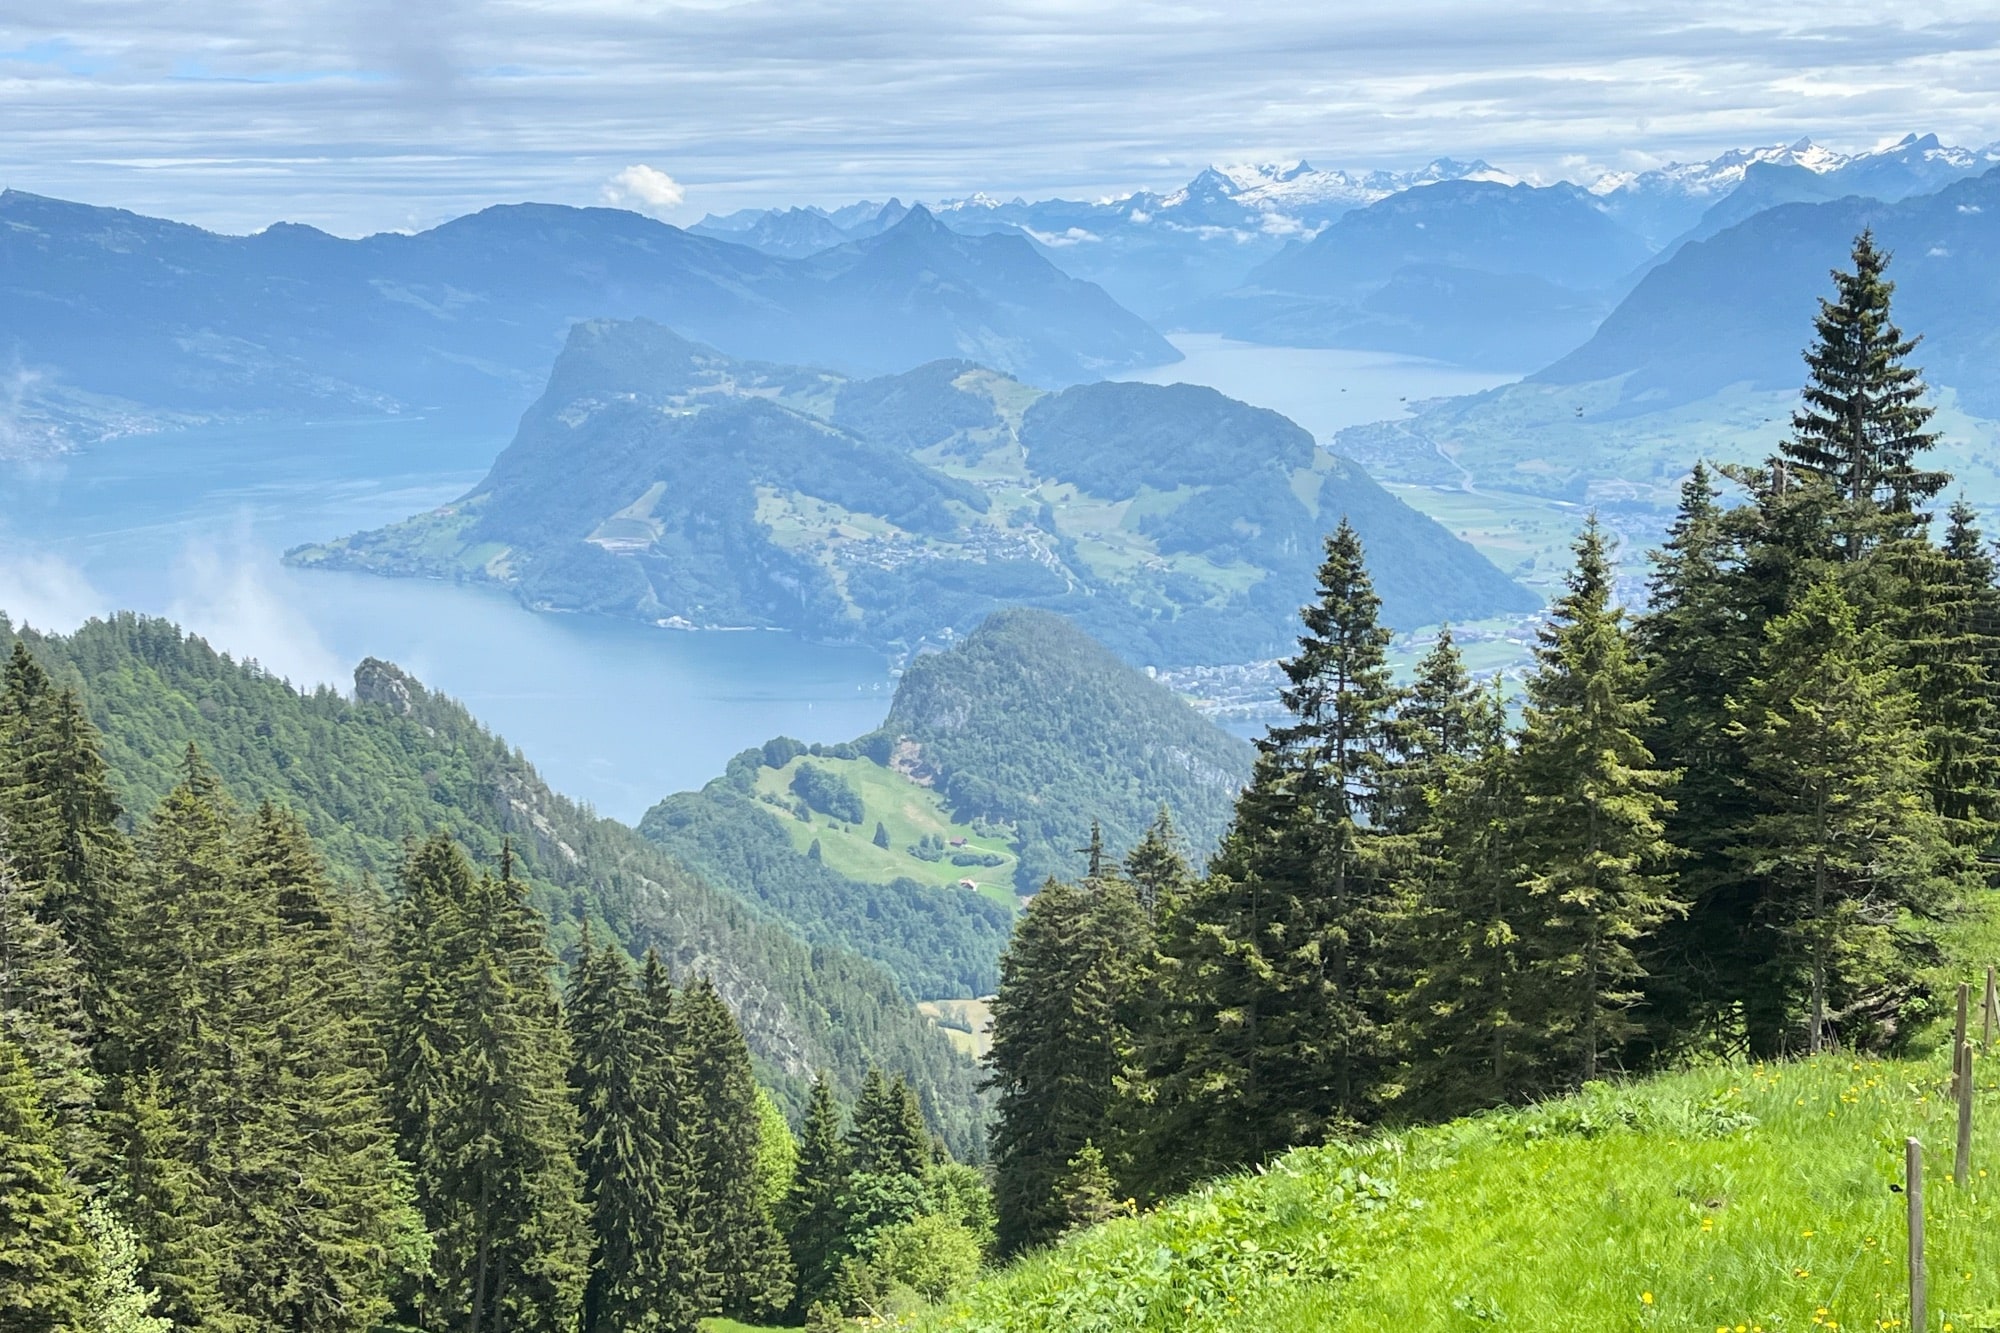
(1463,1031)
(480,1090)
(1440,725)
(118,1302)
(685,1292)
(744,1258)
(61,816)
(1591,826)
(1062,1039)
(1274,1023)
(814,1214)
(1698,642)
(47,1268)
(41,1013)
(1941,618)
(1157,866)
(624,1162)
(1862,423)
(1844,839)
(1089,1194)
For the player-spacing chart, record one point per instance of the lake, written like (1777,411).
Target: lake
(191,526)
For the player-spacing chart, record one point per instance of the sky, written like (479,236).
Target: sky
(368,115)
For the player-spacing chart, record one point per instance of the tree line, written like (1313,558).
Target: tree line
(236,1094)
(1734,822)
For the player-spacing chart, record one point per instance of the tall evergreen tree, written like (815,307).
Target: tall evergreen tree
(685,1292)
(1941,618)
(1591,825)
(1844,841)
(748,1271)
(1274,1023)
(814,1217)
(624,1162)
(1463,1030)
(1062,1039)
(57,805)
(41,1013)
(47,1268)
(1862,423)
(1157,866)
(1442,722)
(481,1100)
(1698,643)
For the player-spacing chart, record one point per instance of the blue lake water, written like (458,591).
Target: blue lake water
(191,526)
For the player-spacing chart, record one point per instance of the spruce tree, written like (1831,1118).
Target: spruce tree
(1157,866)
(1440,725)
(685,1290)
(41,1013)
(47,1268)
(1844,840)
(1941,617)
(1089,1194)
(481,1100)
(1698,642)
(1590,826)
(746,1266)
(1062,1040)
(1275,1016)
(814,1215)
(624,1163)
(1463,1030)
(1861,423)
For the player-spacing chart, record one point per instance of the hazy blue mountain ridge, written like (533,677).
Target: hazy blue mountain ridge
(465,318)
(661,481)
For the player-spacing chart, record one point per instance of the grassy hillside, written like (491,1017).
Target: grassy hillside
(1732,1197)
(909,813)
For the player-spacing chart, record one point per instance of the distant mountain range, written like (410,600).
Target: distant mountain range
(113,321)
(659,479)
(1702,358)
(1458,261)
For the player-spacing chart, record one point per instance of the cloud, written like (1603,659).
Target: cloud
(225,593)
(362,114)
(46,591)
(645,188)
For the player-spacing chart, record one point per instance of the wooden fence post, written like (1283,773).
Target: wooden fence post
(1913,1194)
(1958,1033)
(1992,1011)
(1961,1162)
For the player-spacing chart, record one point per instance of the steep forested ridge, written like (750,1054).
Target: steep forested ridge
(1032,737)
(1030,722)
(399,761)
(658,479)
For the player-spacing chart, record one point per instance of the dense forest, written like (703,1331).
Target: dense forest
(1737,823)
(397,760)
(235,1095)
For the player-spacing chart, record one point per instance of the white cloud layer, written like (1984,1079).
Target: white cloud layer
(647,189)
(367,114)
(225,593)
(46,591)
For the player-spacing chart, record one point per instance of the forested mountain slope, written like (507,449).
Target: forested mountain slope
(399,761)
(993,764)
(659,479)
(465,318)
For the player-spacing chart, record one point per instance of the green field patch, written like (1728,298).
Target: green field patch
(967,1024)
(909,813)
